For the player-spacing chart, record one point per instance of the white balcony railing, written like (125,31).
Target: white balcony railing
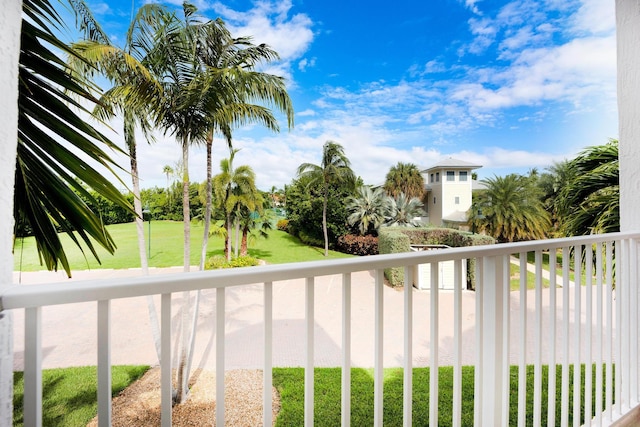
(586,313)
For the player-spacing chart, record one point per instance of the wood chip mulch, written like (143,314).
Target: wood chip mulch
(139,404)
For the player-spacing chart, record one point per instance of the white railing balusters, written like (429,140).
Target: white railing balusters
(599,335)
(577,374)
(33,367)
(309,359)
(165,360)
(267,370)
(506,336)
(433,346)
(603,332)
(552,388)
(407,384)
(457,343)
(608,347)
(537,374)
(522,364)
(220,332)
(378,368)
(478,372)
(566,337)
(104,363)
(588,369)
(346,350)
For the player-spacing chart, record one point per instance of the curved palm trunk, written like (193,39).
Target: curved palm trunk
(207,212)
(324,224)
(137,206)
(243,243)
(182,376)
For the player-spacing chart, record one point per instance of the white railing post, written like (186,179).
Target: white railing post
(165,360)
(267,375)
(104,363)
(33,367)
(309,365)
(407,391)
(433,357)
(220,332)
(378,374)
(492,340)
(346,350)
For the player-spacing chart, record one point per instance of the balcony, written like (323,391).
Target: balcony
(585,314)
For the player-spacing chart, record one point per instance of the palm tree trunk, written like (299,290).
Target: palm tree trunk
(236,248)
(185,203)
(207,212)
(229,234)
(243,244)
(324,225)
(137,206)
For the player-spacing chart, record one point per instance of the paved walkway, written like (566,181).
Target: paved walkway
(69,331)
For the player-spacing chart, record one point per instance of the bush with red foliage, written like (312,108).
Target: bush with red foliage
(358,245)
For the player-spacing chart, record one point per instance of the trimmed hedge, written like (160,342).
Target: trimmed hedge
(399,239)
(358,245)
(219,261)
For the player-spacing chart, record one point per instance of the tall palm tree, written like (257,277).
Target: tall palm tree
(235,191)
(50,178)
(369,209)
(334,167)
(404,178)
(589,202)
(511,210)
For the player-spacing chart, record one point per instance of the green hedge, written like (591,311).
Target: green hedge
(399,239)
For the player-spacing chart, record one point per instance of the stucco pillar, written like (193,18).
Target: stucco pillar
(10,19)
(628,33)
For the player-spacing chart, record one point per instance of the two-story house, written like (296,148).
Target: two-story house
(449,186)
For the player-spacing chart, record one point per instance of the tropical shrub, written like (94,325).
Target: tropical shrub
(358,245)
(219,261)
(283,225)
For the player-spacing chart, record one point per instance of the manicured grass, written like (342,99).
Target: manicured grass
(69,395)
(290,384)
(167,248)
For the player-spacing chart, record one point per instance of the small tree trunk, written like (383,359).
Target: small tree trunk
(324,225)
(243,245)
(229,234)
(236,248)
(207,212)
(185,204)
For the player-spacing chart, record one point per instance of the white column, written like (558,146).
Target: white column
(10,20)
(628,34)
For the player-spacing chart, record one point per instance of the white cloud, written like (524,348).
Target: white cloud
(307,112)
(306,63)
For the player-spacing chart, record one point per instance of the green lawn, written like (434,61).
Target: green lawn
(69,395)
(167,248)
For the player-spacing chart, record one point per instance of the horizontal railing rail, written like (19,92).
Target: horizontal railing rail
(586,314)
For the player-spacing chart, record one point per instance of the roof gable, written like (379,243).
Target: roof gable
(451,163)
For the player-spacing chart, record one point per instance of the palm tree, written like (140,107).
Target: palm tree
(511,210)
(235,191)
(404,178)
(334,167)
(50,179)
(403,210)
(368,209)
(589,202)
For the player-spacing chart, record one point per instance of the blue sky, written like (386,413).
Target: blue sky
(508,85)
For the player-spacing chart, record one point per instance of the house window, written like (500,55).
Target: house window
(437,176)
(463,175)
(434,200)
(431,178)
(451,176)
(457,200)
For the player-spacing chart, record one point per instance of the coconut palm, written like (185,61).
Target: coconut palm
(50,179)
(511,210)
(334,167)
(404,178)
(368,209)
(404,210)
(589,202)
